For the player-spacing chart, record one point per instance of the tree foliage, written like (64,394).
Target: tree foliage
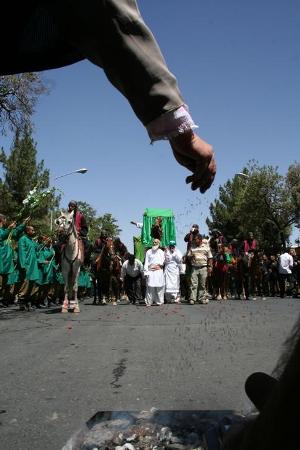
(21,173)
(97,224)
(18,98)
(264,202)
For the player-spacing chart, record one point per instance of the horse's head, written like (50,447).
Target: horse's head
(65,223)
(109,244)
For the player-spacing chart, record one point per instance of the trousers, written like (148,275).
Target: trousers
(198,283)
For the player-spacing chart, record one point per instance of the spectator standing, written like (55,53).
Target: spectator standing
(131,277)
(285,265)
(273,275)
(243,275)
(173,260)
(189,237)
(153,271)
(221,264)
(250,243)
(200,257)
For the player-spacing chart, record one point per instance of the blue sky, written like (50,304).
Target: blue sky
(238,66)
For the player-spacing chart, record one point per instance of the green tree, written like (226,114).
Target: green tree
(21,172)
(18,98)
(98,223)
(264,202)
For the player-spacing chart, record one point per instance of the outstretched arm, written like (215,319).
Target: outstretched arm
(113,35)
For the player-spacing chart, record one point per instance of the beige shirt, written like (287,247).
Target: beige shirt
(200,255)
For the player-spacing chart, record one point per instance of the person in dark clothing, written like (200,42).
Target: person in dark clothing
(79,219)
(273,276)
(189,237)
(235,247)
(120,249)
(263,285)
(216,240)
(97,253)
(82,229)
(131,277)
(156,229)
(243,275)
(296,276)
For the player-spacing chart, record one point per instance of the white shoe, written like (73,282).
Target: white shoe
(192,302)
(219,297)
(204,301)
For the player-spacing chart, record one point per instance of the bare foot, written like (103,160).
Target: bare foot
(196,155)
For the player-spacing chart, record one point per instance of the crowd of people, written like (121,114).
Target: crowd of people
(238,269)
(210,269)
(30,273)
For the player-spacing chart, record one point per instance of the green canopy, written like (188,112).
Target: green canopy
(168,226)
(158,212)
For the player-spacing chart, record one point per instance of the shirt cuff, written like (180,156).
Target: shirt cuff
(171,124)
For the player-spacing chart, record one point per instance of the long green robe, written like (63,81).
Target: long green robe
(84,279)
(4,233)
(47,274)
(14,276)
(7,252)
(27,251)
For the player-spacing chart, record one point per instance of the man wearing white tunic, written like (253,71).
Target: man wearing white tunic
(173,260)
(153,271)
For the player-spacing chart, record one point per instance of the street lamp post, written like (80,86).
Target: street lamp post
(82,171)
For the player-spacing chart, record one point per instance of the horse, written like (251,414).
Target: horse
(107,273)
(72,255)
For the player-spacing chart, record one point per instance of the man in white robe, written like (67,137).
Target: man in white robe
(173,261)
(153,271)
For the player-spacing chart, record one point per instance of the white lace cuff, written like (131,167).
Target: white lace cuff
(171,124)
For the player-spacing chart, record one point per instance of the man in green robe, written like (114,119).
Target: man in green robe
(29,271)
(7,255)
(47,265)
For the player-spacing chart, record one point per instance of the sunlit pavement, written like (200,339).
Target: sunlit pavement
(57,369)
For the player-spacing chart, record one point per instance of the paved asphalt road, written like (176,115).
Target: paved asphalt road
(58,370)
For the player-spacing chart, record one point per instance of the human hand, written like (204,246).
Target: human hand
(27,220)
(155,267)
(12,225)
(197,156)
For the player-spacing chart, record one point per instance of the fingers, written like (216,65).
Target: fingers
(203,178)
(197,156)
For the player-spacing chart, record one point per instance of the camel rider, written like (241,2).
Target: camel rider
(80,224)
